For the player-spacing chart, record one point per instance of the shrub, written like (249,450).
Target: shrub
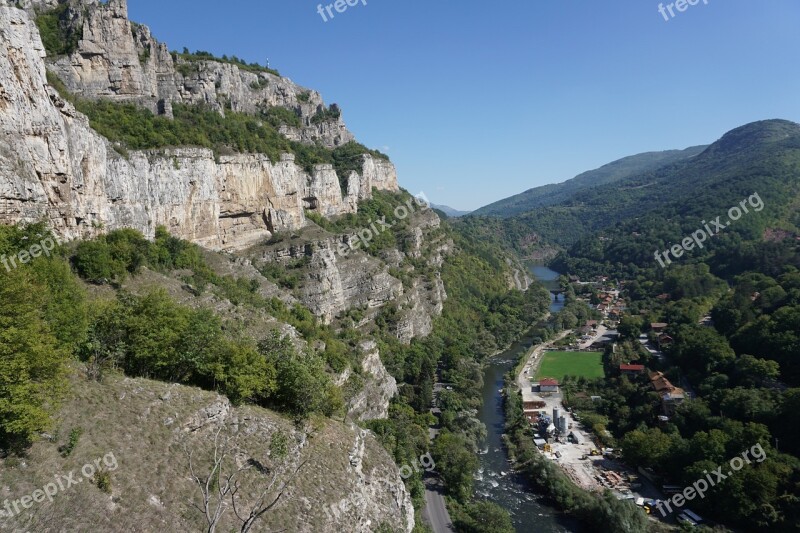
(94,263)
(326,115)
(259,84)
(202,55)
(103,481)
(279,116)
(74,436)
(58,35)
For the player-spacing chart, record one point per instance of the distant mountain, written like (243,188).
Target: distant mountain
(612,172)
(449,211)
(663,204)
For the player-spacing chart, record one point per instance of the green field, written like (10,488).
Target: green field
(559,364)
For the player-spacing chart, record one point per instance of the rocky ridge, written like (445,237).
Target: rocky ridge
(150,493)
(54,167)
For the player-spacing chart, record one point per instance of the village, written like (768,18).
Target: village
(558,431)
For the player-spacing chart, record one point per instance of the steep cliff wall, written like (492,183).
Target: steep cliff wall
(53,166)
(121,60)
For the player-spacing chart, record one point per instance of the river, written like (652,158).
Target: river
(494,480)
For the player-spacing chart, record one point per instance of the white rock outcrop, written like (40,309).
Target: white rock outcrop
(54,167)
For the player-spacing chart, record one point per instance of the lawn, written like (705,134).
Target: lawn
(559,364)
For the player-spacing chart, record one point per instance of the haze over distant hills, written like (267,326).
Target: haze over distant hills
(683,189)
(557,192)
(449,211)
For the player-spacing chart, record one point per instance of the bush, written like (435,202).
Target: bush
(74,436)
(259,84)
(58,35)
(326,115)
(32,361)
(103,481)
(202,55)
(280,116)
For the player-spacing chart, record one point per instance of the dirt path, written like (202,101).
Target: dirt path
(533,359)
(581,471)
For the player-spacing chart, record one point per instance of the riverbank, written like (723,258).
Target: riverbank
(600,511)
(574,458)
(495,480)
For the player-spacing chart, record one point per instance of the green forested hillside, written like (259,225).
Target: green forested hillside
(652,207)
(758,159)
(558,192)
(732,309)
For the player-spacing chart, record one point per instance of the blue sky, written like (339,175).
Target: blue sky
(475,100)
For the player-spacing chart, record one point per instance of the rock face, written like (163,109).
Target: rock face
(333,282)
(54,167)
(121,60)
(419,307)
(380,387)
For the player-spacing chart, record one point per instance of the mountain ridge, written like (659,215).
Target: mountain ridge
(54,166)
(744,159)
(615,171)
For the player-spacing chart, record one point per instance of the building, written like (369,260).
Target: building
(548,385)
(658,327)
(664,340)
(534,405)
(631,370)
(671,396)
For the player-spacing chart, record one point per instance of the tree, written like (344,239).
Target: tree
(485,517)
(649,448)
(456,463)
(32,365)
(227,482)
(753,372)
(630,326)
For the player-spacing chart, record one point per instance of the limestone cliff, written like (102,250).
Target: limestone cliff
(121,60)
(53,166)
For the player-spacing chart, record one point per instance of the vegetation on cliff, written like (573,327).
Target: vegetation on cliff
(131,127)
(59,35)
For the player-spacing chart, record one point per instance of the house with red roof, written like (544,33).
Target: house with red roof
(631,370)
(548,385)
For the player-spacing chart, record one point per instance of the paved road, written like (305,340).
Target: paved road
(435,512)
(601,330)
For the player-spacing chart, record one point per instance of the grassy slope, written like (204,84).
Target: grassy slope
(144,423)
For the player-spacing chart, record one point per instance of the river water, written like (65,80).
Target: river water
(495,481)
